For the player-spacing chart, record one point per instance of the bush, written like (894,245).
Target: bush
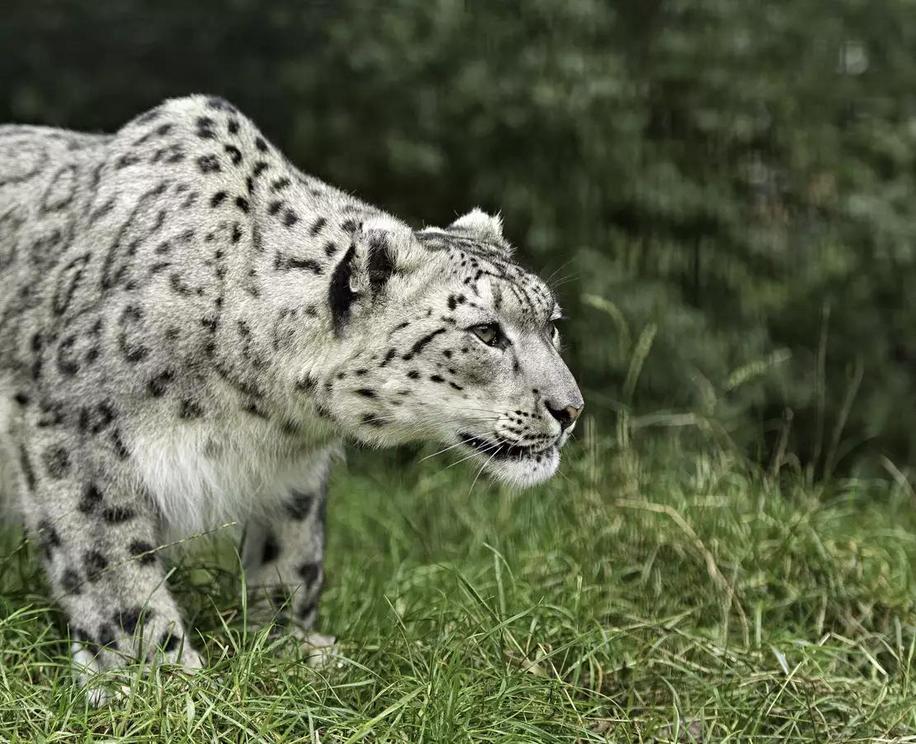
(711,170)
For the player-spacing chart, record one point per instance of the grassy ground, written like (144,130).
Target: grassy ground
(666,598)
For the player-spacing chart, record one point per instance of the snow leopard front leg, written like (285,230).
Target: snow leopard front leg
(98,535)
(284,557)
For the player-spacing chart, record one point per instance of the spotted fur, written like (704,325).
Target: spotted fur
(189,327)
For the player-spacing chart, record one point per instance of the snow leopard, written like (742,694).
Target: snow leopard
(190,328)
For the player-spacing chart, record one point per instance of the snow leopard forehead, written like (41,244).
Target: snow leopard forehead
(490,275)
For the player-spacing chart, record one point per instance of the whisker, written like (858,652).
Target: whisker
(549,280)
(482,450)
(445,449)
(474,482)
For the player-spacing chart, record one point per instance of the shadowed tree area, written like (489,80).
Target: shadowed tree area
(721,191)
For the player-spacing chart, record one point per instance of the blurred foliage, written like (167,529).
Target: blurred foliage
(721,190)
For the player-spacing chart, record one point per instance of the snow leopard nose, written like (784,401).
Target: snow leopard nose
(565,415)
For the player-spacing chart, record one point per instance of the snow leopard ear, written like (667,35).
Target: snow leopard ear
(380,248)
(383,247)
(479,225)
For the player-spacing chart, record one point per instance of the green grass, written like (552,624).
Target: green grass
(661,598)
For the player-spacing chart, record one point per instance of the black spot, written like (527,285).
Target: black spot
(221,104)
(47,538)
(128,619)
(118,443)
(218,198)
(242,203)
(253,409)
(102,210)
(234,154)
(133,352)
(71,582)
(340,296)
(188,409)
(422,343)
(349,226)
(260,144)
(68,281)
(52,414)
(92,497)
(126,160)
(280,184)
(366,392)
(66,363)
(118,514)
(96,419)
(178,285)
(290,428)
(299,505)
(106,635)
(271,549)
(94,563)
(158,385)
(26,466)
(306,384)
(305,610)
(317,226)
(233,126)
(208,164)
(290,218)
(330,248)
(169,641)
(372,419)
(413,374)
(205,127)
(309,572)
(391,354)
(236,232)
(437,378)
(57,461)
(143,551)
(275,206)
(285,263)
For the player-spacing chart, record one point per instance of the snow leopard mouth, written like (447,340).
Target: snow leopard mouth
(502,450)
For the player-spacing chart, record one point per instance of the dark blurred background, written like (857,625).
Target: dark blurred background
(722,191)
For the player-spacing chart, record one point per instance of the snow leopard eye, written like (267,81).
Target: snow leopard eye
(490,334)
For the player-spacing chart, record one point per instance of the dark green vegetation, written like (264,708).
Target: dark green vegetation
(733,180)
(627,601)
